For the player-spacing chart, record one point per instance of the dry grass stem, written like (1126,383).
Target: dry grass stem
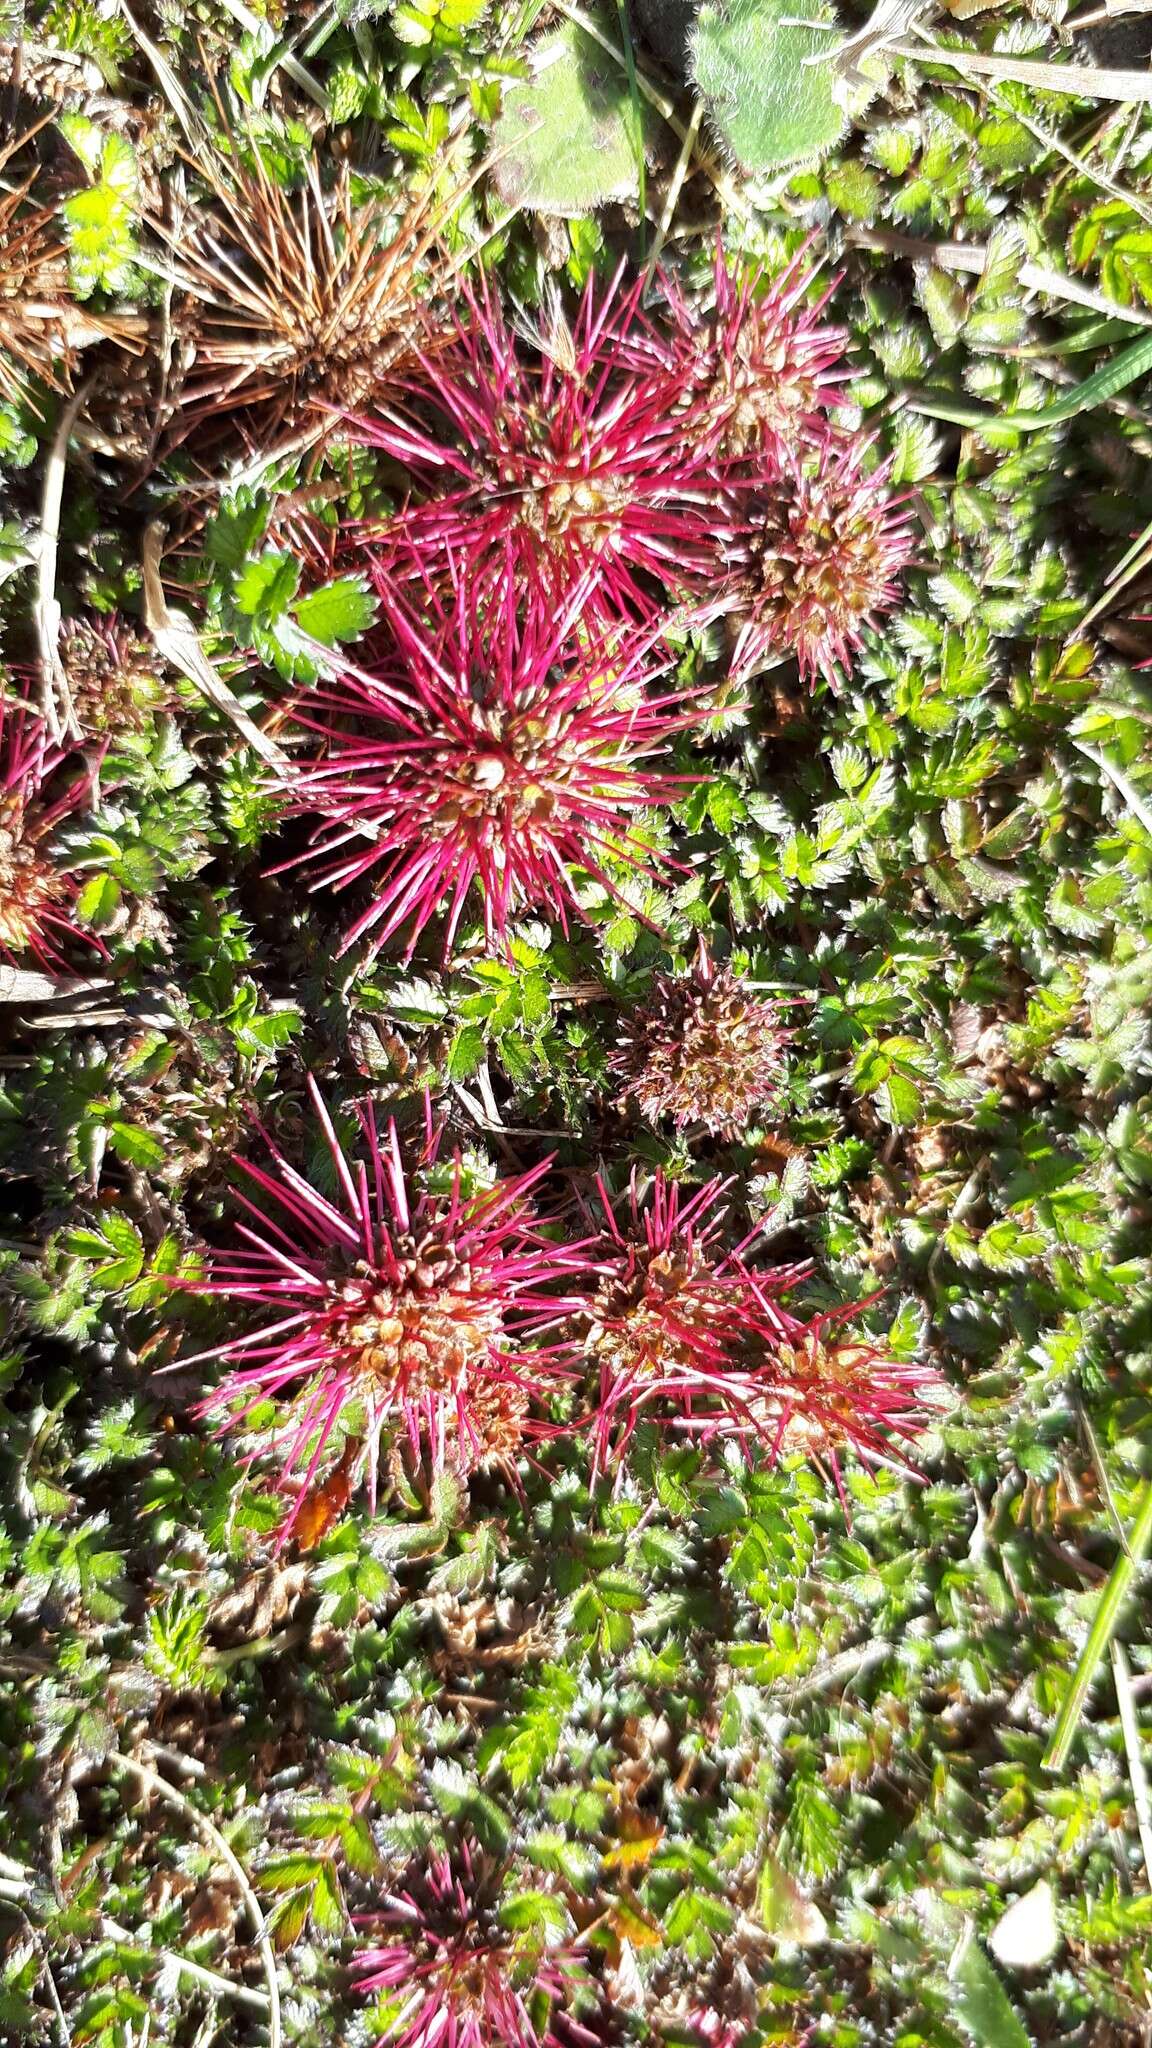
(160,1788)
(1082,81)
(175,640)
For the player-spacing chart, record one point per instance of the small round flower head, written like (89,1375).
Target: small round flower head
(817,559)
(36,892)
(672,1319)
(489,755)
(762,364)
(113,675)
(547,449)
(704,1049)
(389,1320)
(450,1973)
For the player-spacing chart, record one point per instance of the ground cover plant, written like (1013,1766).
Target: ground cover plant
(575,914)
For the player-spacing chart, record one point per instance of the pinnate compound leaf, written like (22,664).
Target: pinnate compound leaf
(339,611)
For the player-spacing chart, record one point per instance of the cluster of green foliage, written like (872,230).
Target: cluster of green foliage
(727,1730)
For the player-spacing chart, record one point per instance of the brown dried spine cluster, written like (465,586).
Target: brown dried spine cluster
(43,332)
(37,338)
(297,304)
(704,1049)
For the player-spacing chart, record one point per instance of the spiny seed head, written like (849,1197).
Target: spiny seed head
(300,303)
(36,891)
(704,1049)
(818,558)
(673,1318)
(451,1974)
(825,1392)
(491,751)
(760,368)
(689,1335)
(388,1322)
(547,449)
(31,888)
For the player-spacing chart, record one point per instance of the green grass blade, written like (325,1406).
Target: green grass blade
(1100,1635)
(1123,369)
(637,114)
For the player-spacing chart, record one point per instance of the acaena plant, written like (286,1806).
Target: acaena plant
(299,303)
(448,1970)
(543,453)
(390,1320)
(692,1336)
(495,751)
(756,362)
(704,1049)
(671,1318)
(646,456)
(816,559)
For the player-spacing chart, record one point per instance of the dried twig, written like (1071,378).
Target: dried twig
(212,1981)
(28,985)
(1073,23)
(168,82)
(48,1980)
(55,696)
(175,639)
(973,257)
(1101,1470)
(260,1646)
(172,1796)
(837,1671)
(1137,1774)
(1084,81)
(888,19)
(675,186)
(282,60)
(1119,781)
(1051,140)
